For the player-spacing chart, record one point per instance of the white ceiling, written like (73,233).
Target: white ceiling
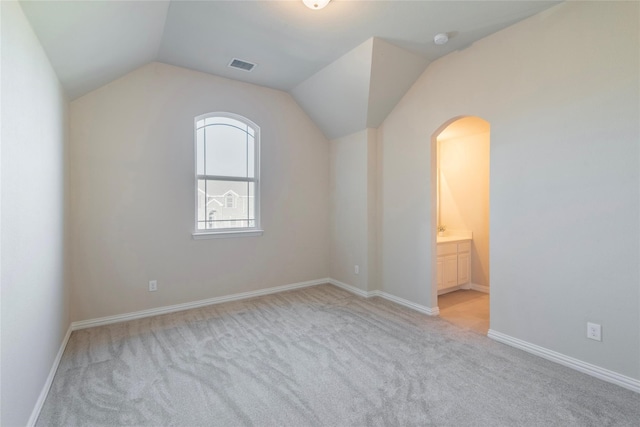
(91,43)
(359,89)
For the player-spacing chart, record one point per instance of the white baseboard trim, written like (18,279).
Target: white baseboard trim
(47,384)
(351,288)
(431,311)
(434,311)
(466,286)
(83,324)
(452,289)
(479,288)
(584,367)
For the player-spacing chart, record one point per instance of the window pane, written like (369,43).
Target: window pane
(226,151)
(202,204)
(251,203)
(251,144)
(200,151)
(224,121)
(230,205)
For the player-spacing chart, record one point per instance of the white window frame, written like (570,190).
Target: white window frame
(228,232)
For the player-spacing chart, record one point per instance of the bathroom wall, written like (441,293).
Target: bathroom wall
(464,193)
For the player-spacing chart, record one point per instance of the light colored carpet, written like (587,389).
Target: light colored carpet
(317,356)
(467,309)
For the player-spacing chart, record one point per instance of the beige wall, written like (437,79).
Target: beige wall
(35,309)
(464,195)
(353,209)
(561,93)
(132,195)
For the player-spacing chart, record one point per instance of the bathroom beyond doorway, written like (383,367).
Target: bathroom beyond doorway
(466,308)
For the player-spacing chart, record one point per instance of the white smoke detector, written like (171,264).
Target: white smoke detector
(441,38)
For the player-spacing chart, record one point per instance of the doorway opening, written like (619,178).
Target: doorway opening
(461,198)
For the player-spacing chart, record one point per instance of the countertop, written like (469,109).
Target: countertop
(449,239)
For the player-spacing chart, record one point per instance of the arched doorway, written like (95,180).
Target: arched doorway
(462,285)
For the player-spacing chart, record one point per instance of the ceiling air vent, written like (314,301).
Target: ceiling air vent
(241,65)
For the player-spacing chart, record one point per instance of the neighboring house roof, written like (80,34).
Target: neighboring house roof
(219,199)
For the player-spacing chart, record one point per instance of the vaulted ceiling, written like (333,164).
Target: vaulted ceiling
(91,43)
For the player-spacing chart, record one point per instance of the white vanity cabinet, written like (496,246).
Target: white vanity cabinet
(453,265)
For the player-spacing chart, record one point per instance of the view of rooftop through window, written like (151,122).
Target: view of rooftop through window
(227,178)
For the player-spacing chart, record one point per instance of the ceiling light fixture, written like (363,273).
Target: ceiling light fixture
(441,38)
(315,4)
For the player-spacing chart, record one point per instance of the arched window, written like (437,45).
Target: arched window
(227,169)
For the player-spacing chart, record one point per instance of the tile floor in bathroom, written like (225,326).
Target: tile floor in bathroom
(466,308)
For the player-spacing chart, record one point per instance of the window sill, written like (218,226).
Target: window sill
(226,234)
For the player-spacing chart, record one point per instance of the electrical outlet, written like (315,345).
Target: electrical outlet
(357,269)
(153,285)
(594,331)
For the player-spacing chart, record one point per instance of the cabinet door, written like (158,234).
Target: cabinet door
(440,272)
(464,268)
(450,271)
